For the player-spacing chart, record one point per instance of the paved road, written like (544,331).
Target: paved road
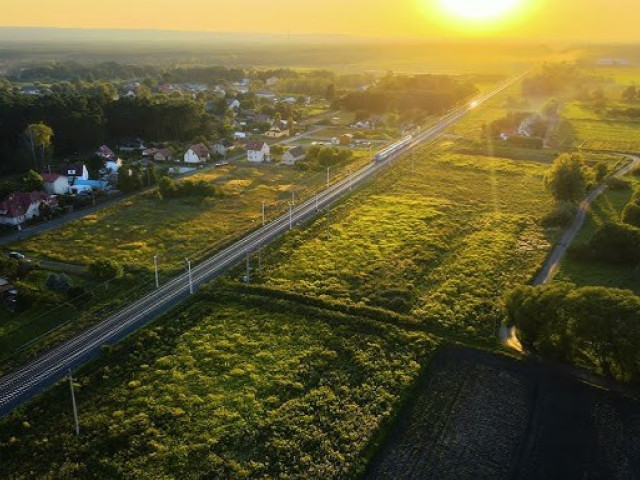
(508,334)
(51,366)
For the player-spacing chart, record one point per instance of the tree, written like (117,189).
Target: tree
(105,269)
(631,214)
(32,182)
(616,243)
(38,137)
(167,187)
(568,178)
(330,93)
(630,94)
(601,171)
(59,282)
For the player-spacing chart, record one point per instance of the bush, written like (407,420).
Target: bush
(631,214)
(616,243)
(106,269)
(60,283)
(568,178)
(581,252)
(187,188)
(601,171)
(617,184)
(561,216)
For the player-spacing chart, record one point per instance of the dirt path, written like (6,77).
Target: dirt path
(508,334)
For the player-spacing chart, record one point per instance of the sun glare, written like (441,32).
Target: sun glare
(479,10)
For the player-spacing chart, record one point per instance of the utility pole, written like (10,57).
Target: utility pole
(190,277)
(290,216)
(293,197)
(248,268)
(155,268)
(264,217)
(73,403)
(350,180)
(328,176)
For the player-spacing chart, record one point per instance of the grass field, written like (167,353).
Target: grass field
(224,388)
(442,243)
(606,135)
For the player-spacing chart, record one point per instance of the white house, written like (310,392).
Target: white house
(265,94)
(74,172)
(258,152)
(234,104)
(239,135)
(55,184)
(19,207)
(197,154)
(294,155)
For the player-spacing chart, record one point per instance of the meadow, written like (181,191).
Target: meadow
(229,386)
(439,238)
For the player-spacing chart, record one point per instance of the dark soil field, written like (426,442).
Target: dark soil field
(479,416)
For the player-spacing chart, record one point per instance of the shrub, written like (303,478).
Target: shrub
(616,243)
(561,216)
(617,184)
(601,171)
(631,214)
(106,269)
(568,178)
(59,283)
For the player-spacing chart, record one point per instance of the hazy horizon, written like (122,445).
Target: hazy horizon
(526,20)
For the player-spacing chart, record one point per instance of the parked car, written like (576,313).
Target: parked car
(16,255)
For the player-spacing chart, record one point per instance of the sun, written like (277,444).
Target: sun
(479,10)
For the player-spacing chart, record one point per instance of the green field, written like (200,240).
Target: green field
(227,387)
(441,244)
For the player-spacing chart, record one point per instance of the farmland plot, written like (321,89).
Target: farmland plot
(484,417)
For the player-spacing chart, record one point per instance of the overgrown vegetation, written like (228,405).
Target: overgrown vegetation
(227,389)
(595,327)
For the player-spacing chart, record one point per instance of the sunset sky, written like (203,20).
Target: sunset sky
(538,19)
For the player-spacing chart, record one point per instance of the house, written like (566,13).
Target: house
(30,91)
(258,152)
(239,135)
(271,81)
(130,94)
(150,152)
(346,139)
(133,145)
(74,172)
(106,153)
(234,104)
(265,94)
(197,154)
(294,155)
(163,155)
(276,132)
(81,186)
(19,207)
(261,118)
(55,184)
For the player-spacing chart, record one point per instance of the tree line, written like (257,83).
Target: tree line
(429,94)
(83,119)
